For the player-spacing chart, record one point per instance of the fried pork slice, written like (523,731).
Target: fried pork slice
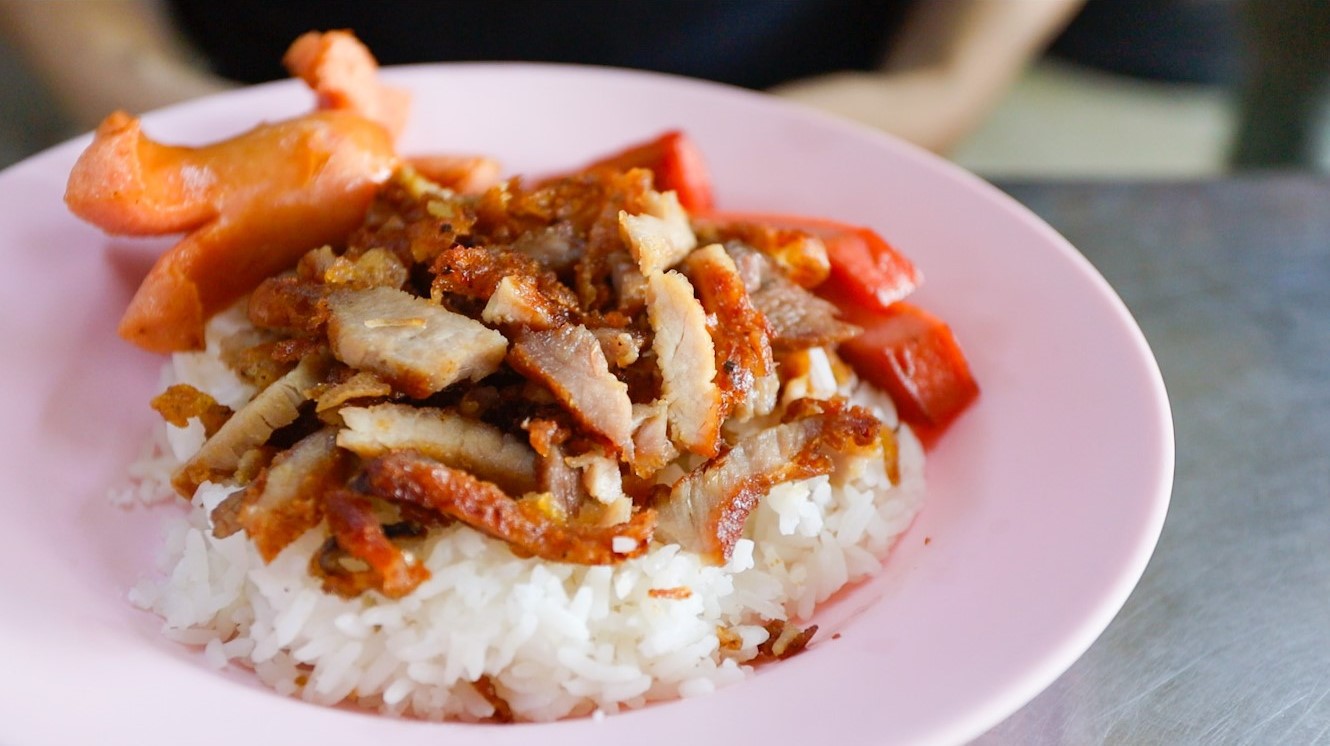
(706,509)
(630,286)
(600,475)
(571,364)
(557,247)
(517,300)
(272,408)
(599,199)
(286,499)
(745,370)
(587,487)
(443,435)
(413,344)
(799,320)
(652,447)
(687,361)
(359,386)
(661,236)
(533,525)
(621,348)
(358,532)
(553,474)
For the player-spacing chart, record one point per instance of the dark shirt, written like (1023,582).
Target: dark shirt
(1181,41)
(751,43)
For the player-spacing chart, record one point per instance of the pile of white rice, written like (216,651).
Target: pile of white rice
(556,640)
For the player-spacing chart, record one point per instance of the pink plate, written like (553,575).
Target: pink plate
(1045,500)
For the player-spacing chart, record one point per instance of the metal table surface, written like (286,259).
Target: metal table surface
(1227,637)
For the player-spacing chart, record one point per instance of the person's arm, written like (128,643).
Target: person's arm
(953,61)
(97,56)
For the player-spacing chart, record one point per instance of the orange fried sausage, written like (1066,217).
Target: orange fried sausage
(254,204)
(342,73)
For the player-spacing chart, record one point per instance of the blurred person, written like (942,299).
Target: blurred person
(928,71)
(95,57)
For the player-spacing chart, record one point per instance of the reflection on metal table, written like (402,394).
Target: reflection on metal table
(1227,637)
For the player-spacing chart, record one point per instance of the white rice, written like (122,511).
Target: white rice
(556,640)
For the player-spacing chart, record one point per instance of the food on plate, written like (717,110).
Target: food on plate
(459,446)
(899,347)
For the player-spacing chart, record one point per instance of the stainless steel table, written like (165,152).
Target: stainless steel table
(1227,638)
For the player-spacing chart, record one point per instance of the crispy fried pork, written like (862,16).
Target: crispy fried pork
(660,236)
(270,409)
(800,256)
(652,447)
(745,369)
(286,499)
(360,386)
(570,363)
(477,272)
(413,344)
(798,318)
(611,349)
(359,533)
(706,509)
(443,435)
(532,525)
(621,348)
(554,476)
(517,300)
(687,362)
(557,246)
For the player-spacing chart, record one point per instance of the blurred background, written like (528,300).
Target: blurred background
(1129,88)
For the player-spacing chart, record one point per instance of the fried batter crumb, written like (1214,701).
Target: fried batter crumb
(784,640)
(181,402)
(503,712)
